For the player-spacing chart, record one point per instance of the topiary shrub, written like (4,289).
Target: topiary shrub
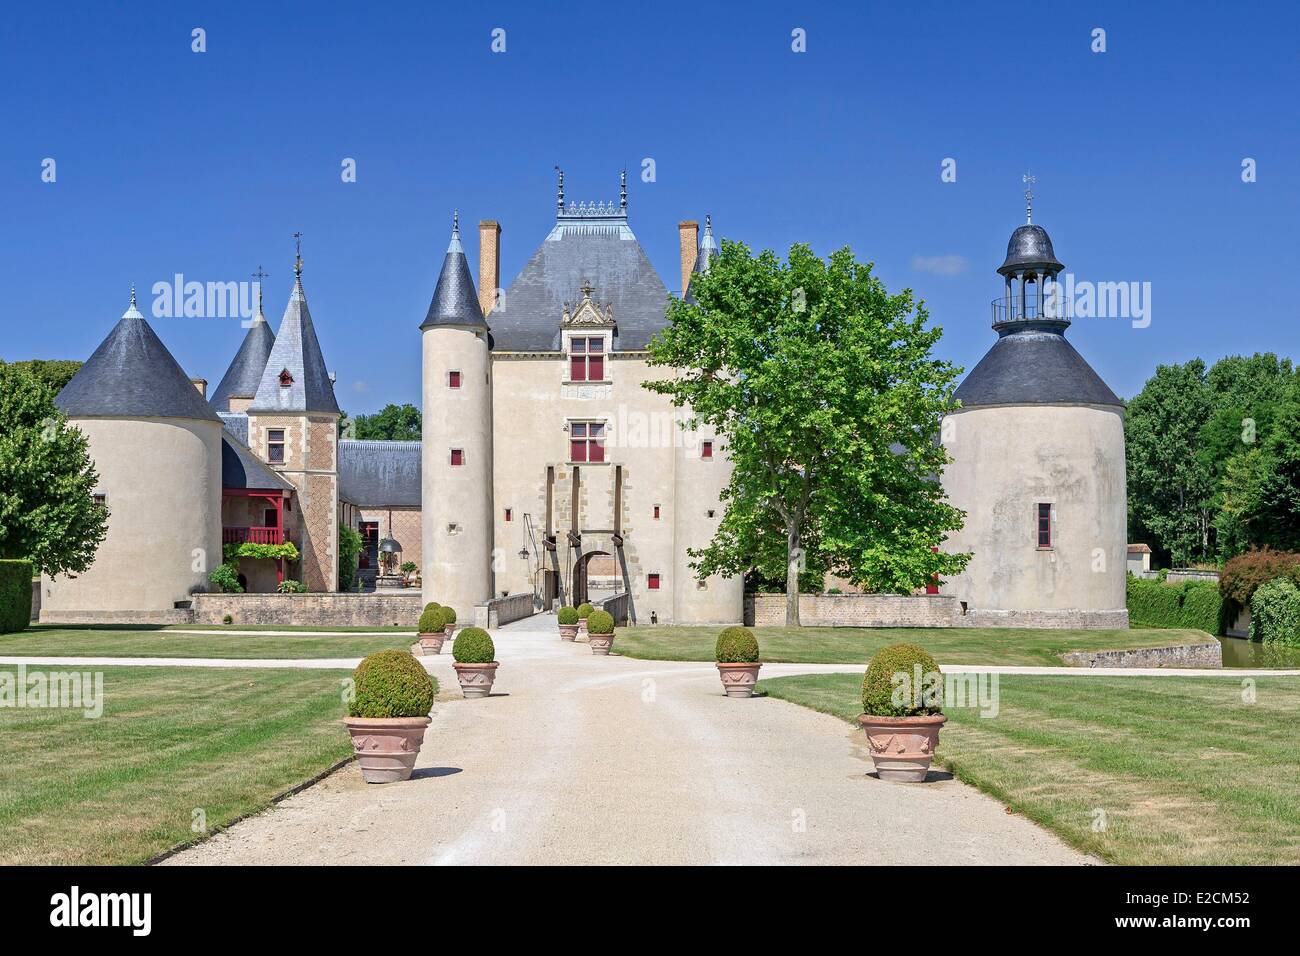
(449,615)
(600,622)
(431,620)
(886,695)
(1275,613)
(584,611)
(736,645)
(473,646)
(391,684)
(432,604)
(567,615)
(15,594)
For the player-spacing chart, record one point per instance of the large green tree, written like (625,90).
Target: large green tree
(822,387)
(390,423)
(53,372)
(47,478)
(1276,512)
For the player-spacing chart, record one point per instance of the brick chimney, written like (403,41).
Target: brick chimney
(201,384)
(688,233)
(489,263)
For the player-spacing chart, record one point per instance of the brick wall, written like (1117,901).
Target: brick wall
(322,610)
(854,610)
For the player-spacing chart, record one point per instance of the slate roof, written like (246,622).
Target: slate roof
(704,257)
(236,423)
(132,374)
(588,243)
(1034,367)
(379,473)
(245,371)
(1030,246)
(296,349)
(454,300)
(241,468)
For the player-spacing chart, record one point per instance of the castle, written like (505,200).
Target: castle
(545,468)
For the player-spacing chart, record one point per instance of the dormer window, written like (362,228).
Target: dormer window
(587,358)
(286,378)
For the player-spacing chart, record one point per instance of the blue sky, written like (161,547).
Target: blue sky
(170,161)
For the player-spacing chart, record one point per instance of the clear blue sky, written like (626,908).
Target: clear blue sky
(205,164)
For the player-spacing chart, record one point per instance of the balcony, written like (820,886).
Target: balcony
(1048,309)
(253,536)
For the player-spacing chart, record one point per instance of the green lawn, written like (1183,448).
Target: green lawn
(855,645)
(125,787)
(111,642)
(1183,770)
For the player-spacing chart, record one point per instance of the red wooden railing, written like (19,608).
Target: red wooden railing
(253,536)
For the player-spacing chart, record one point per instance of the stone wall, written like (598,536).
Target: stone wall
(1209,654)
(1051,617)
(321,610)
(499,611)
(854,610)
(617,606)
(36,600)
(1178,577)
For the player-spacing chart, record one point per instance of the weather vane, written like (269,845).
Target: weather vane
(297,258)
(1029,180)
(259,275)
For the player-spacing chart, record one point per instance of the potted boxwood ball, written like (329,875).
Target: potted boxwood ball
(388,714)
(433,629)
(449,621)
(738,664)
(902,719)
(568,618)
(600,631)
(584,611)
(475,667)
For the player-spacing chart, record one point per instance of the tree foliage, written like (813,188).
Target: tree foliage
(390,423)
(822,388)
(47,479)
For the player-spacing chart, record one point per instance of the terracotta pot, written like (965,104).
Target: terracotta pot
(582,628)
(738,679)
(568,632)
(450,631)
(902,747)
(431,644)
(600,643)
(476,679)
(386,747)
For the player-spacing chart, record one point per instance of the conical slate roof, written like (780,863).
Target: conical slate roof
(454,300)
(307,387)
(245,371)
(707,253)
(1034,367)
(132,375)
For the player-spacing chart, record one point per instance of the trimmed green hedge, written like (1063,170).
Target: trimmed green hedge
(15,595)
(600,622)
(392,684)
(473,646)
(1192,604)
(879,685)
(736,645)
(567,616)
(584,610)
(1275,613)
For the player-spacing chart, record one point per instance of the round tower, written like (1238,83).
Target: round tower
(456,479)
(156,444)
(701,469)
(1038,464)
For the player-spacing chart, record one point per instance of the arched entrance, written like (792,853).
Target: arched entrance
(580,572)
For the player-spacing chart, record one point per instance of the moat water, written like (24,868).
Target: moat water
(1239,652)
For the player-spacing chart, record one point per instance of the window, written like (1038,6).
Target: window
(458,456)
(1044,525)
(453,379)
(706,449)
(275,445)
(510,514)
(586,441)
(710,512)
(99,500)
(652,582)
(286,378)
(587,359)
(656,512)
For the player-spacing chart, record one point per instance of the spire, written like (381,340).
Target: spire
(559,198)
(455,302)
(1029,181)
(259,275)
(622,191)
(132,312)
(244,374)
(296,351)
(704,257)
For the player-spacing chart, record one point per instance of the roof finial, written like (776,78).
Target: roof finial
(133,295)
(622,190)
(297,258)
(559,201)
(455,224)
(708,224)
(1029,181)
(259,275)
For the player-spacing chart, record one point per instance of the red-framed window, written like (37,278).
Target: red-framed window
(587,359)
(656,512)
(510,514)
(1044,525)
(652,582)
(275,446)
(706,449)
(458,456)
(453,379)
(586,441)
